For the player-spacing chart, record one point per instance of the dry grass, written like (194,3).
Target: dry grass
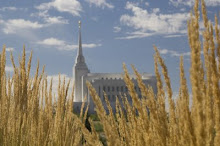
(28,115)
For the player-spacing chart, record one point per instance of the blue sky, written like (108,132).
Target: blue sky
(113,32)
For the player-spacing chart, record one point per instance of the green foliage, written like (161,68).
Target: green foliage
(98,127)
(94,117)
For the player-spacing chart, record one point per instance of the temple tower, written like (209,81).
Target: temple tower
(80,69)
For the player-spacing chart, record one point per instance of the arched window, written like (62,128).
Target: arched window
(113,89)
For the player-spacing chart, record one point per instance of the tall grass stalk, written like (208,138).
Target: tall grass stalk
(30,114)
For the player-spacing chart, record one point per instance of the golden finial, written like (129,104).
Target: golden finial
(79,24)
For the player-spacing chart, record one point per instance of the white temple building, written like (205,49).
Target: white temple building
(110,83)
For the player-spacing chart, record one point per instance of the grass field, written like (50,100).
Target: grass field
(30,115)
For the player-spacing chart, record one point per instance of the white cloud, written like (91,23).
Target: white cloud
(9,49)
(190,3)
(90,45)
(52,42)
(135,35)
(183,9)
(74,47)
(153,23)
(11,9)
(56,20)
(163,51)
(8,8)
(10,26)
(173,53)
(21,25)
(117,29)
(156,10)
(9,69)
(173,36)
(147,4)
(70,6)
(50,19)
(100,3)
(62,45)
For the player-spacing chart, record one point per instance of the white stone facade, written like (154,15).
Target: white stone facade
(110,83)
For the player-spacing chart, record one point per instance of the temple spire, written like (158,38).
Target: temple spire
(80,57)
(80,41)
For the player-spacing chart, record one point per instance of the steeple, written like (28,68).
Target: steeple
(80,70)
(80,57)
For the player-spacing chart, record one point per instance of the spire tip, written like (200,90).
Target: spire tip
(79,24)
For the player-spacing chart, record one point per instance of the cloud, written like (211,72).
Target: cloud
(100,3)
(163,51)
(62,45)
(52,42)
(11,25)
(117,29)
(21,25)
(50,19)
(135,35)
(173,53)
(8,8)
(9,69)
(147,4)
(11,9)
(183,9)
(90,45)
(212,3)
(173,36)
(147,23)
(74,47)
(9,49)
(70,6)
(56,20)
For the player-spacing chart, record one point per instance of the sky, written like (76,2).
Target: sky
(113,32)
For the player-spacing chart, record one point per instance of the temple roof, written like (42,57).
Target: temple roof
(116,76)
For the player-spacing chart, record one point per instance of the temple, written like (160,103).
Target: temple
(110,83)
